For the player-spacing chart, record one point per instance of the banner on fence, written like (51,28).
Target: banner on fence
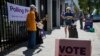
(17,12)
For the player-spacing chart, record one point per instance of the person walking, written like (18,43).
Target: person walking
(68,19)
(81,15)
(62,17)
(45,22)
(31,27)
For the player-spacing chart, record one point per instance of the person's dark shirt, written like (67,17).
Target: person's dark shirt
(69,14)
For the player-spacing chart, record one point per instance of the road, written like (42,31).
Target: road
(97,28)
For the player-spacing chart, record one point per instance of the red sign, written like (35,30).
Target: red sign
(66,47)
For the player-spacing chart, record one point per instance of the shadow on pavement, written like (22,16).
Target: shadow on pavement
(13,49)
(30,52)
(50,32)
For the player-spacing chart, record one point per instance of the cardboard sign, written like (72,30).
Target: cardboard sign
(66,47)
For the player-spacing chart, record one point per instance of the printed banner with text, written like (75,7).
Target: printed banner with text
(16,12)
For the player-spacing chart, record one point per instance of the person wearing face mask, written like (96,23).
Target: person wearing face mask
(31,27)
(68,19)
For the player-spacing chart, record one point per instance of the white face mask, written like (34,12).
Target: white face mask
(67,10)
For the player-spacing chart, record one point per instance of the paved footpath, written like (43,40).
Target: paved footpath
(48,47)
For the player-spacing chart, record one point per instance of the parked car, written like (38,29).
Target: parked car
(96,17)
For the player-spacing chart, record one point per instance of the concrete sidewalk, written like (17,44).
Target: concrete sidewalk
(48,47)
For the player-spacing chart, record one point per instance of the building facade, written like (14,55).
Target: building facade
(14,32)
(11,32)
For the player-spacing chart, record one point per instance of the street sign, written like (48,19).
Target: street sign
(66,47)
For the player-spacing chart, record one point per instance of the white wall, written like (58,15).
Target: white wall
(37,2)
(63,4)
(49,12)
(58,13)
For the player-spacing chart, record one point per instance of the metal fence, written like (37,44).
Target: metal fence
(11,32)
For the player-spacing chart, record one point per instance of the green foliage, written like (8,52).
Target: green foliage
(83,5)
(88,5)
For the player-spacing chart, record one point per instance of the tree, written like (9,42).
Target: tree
(84,5)
(89,5)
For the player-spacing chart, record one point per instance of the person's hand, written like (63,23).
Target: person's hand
(62,17)
(69,17)
(40,25)
(83,19)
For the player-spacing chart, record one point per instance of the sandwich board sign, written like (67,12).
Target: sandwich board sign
(66,47)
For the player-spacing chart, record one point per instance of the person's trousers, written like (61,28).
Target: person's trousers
(81,24)
(32,39)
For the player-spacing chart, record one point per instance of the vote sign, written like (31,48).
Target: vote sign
(66,47)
